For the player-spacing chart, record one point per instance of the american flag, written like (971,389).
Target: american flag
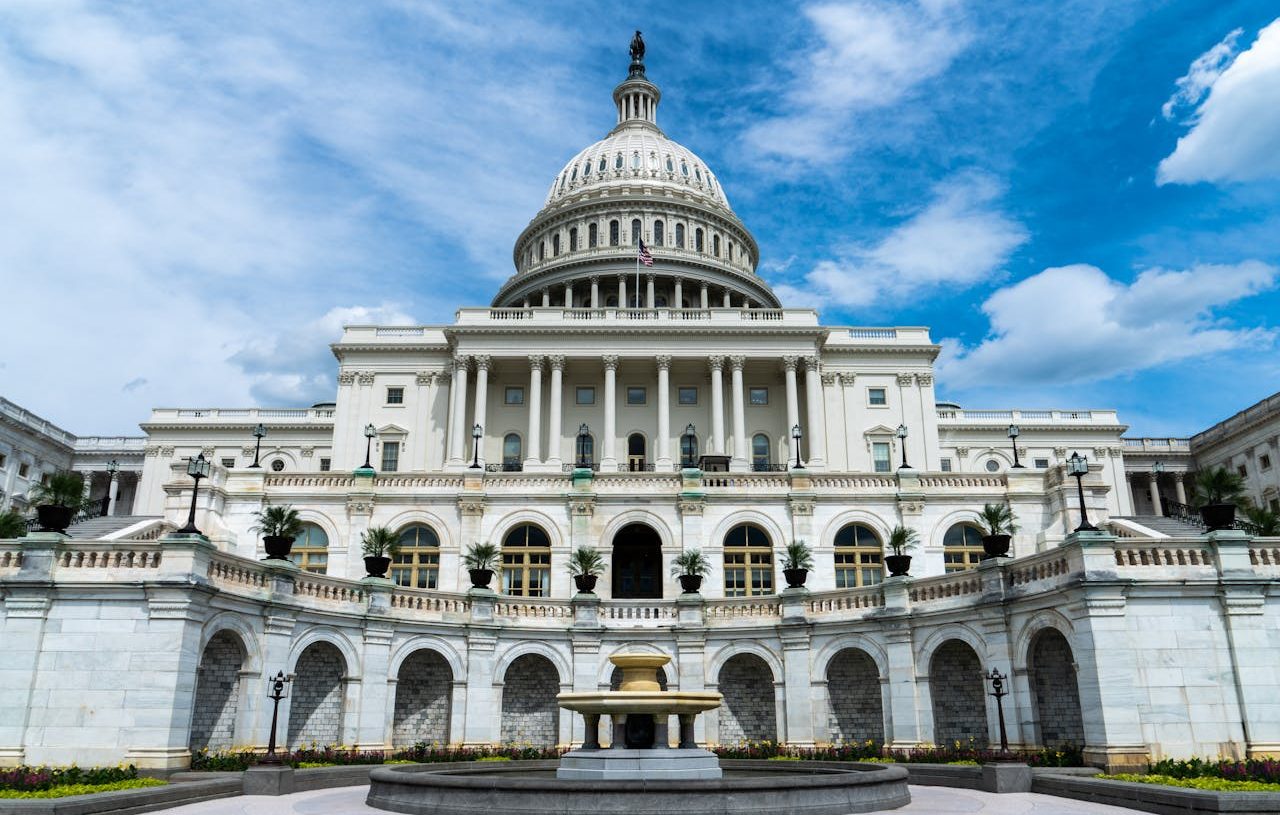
(644,256)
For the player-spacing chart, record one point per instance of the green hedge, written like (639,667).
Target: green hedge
(1200,783)
(958,753)
(36,779)
(66,790)
(1262,770)
(334,755)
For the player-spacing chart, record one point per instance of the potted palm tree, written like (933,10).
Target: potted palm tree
(796,564)
(586,564)
(481,560)
(900,539)
(1218,491)
(690,566)
(12,525)
(279,526)
(1264,522)
(379,545)
(57,500)
(998,524)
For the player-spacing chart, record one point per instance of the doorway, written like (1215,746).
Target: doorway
(635,453)
(637,563)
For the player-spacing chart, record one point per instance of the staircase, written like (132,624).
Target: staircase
(1172,527)
(95,528)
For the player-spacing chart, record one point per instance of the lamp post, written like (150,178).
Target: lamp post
(902,442)
(1014,432)
(997,690)
(796,435)
(108,503)
(689,446)
(279,690)
(584,436)
(369,432)
(1078,466)
(258,433)
(476,433)
(197,468)
(1157,470)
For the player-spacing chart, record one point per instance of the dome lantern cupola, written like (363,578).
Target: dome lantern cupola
(636,97)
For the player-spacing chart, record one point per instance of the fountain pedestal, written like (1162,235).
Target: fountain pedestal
(639,695)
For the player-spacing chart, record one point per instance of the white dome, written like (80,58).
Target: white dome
(637,152)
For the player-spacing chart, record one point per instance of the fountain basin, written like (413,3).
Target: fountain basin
(531,788)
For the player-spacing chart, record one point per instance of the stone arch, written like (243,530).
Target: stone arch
(822,658)
(747,647)
(749,712)
(326,524)
(410,517)
(963,633)
(1045,618)
(854,691)
(350,658)
(217,697)
(527,516)
(777,536)
(291,461)
(638,516)
(424,687)
(939,531)
(636,562)
(529,710)
(854,516)
(959,695)
(317,696)
(446,651)
(1051,668)
(615,678)
(542,649)
(239,627)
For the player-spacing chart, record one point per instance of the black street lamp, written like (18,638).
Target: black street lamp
(902,442)
(258,433)
(1079,467)
(796,435)
(1014,432)
(279,690)
(197,468)
(689,446)
(476,433)
(584,438)
(997,690)
(369,432)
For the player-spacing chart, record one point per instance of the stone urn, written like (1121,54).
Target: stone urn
(899,565)
(376,565)
(995,546)
(278,547)
(1218,516)
(795,577)
(54,517)
(480,578)
(585,583)
(690,583)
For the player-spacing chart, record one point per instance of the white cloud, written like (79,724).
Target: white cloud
(960,238)
(1076,324)
(1235,131)
(871,54)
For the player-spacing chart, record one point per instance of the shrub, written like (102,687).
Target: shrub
(798,556)
(691,562)
(12,525)
(334,755)
(1218,486)
(277,521)
(481,556)
(67,790)
(35,779)
(378,541)
(874,751)
(1200,783)
(1263,770)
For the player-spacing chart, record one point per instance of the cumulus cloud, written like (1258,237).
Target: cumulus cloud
(870,54)
(1236,129)
(958,239)
(1076,324)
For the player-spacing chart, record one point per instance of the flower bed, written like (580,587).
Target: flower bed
(59,782)
(333,756)
(1196,783)
(876,752)
(1262,770)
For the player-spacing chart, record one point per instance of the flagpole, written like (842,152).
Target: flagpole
(638,245)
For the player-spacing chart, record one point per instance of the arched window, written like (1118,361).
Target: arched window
(660,300)
(635,161)
(586,169)
(555,244)
(859,557)
(542,249)
(715,245)
(617,162)
(526,562)
(760,453)
(603,163)
(418,563)
(731,251)
(574,177)
(511,452)
(658,237)
(573,239)
(613,233)
(593,236)
(635,453)
(697,240)
(670,168)
(636,230)
(689,450)
(679,236)
(684,168)
(311,549)
(748,562)
(697,172)
(961,547)
(586,450)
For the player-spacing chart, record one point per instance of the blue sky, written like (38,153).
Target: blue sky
(1080,198)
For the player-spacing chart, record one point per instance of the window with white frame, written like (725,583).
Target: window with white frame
(1264,461)
(513,395)
(687,395)
(877,397)
(585,395)
(390,456)
(1042,464)
(636,395)
(395,396)
(229,463)
(946,465)
(757,396)
(880,456)
(325,463)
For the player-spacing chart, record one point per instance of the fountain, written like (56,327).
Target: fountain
(639,773)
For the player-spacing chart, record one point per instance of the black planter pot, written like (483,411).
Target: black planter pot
(480,578)
(690,583)
(995,546)
(277,546)
(898,565)
(795,577)
(1215,516)
(586,583)
(54,518)
(376,565)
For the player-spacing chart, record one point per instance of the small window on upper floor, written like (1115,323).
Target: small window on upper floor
(687,395)
(757,396)
(573,239)
(390,456)
(574,176)
(614,232)
(635,161)
(697,240)
(513,395)
(585,395)
(670,167)
(3,459)
(1243,471)
(636,229)
(277,465)
(586,168)
(395,396)
(679,236)
(697,173)
(593,236)
(715,245)
(23,469)
(684,168)
(325,465)
(603,163)
(880,456)
(1264,461)
(555,245)
(946,465)
(617,162)
(877,397)
(658,229)
(1042,464)
(229,463)
(636,395)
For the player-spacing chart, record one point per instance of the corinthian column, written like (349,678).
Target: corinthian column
(533,451)
(662,449)
(793,403)
(457,419)
(482,393)
(554,431)
(739,461)
(610,461)
(717,405)
(817,430)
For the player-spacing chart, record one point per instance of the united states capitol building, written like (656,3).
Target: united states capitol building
(644,410)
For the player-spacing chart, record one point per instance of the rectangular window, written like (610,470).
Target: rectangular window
(586,396)
(23,469)
(758,396)
(687,396)
(1275,504)
(229,463)
(946,465)
(635,396)
(395,396)
(880,456)
(1042,464)
(390,456)
(324,465)
(3,459)
(877,397)
(514,395)
(1244,472)
(1264,461)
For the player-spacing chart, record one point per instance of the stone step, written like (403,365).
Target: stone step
(1169,526)
(97,527)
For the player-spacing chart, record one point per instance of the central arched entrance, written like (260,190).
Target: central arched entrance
(637,563)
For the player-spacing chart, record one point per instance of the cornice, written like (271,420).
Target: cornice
(683,331)
(932,350)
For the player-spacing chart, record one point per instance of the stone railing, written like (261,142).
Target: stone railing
(25,417)
(845,601)
(766,608)
(421,603)
(130,555)
(1096,417)
(557,315)
(945,587)
(1055,563)
(937,481)
(641,613)
(419,481)
(10,556)
(331,480)
(244,415)
(533,609)
(1264,554)
(1157,445)
(237,573)
(1132,553)
(754,482)
(854,481)
(327,589)
(665,483)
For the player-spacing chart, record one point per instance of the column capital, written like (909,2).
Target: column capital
(461,363)
(830,377)
(924,380)
(789,363)
(716,363)
(536,361)
(649,277)
(737,362)
(812,363)
(905,379)
(444,376)
(704,285)
(482,362)
(366,377)
(556,361)
(346,377)
(595,279)
(622,278)
(424,377)
(610,362)
(663,361)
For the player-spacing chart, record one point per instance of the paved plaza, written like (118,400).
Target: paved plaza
(933,800)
